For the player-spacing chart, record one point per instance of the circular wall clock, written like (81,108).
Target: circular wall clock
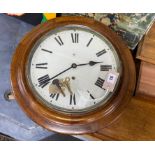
(72,75)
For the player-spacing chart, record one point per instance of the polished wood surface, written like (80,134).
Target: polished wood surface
(146,54)
(146,51)
(136,123)
(138,119)
(69,123)
(146,81)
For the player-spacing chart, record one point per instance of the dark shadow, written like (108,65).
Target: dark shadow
(60,137)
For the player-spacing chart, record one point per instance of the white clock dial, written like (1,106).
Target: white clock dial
(68,67)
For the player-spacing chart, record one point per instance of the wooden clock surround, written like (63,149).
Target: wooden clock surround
(69,123)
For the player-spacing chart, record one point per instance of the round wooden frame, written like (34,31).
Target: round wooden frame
(59,122)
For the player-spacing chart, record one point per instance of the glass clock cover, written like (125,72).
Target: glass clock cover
(68,69)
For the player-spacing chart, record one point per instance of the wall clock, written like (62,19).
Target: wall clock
(72,75)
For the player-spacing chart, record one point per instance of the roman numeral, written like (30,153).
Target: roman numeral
(72,99)
(43,81)
(46,50)
(55,96)
(89,42)
(42,65)
(59,40)
(75,37)
(91,95)
(101,53)
(105,67)
(99,82)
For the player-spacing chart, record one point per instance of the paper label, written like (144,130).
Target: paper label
(110,81)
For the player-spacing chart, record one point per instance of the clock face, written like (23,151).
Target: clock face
(68,66)
(74,76)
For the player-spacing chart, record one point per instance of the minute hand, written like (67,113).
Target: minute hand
(72,66)
(91,63)
(60,73)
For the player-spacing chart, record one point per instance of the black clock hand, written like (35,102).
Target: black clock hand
(74,65)
(91,63)
(60,73)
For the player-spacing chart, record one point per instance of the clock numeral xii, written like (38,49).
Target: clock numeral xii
(75,37)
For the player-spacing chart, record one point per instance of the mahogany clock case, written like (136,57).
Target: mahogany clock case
(69,123)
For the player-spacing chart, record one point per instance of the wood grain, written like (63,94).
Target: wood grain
(136,123)
(146,81)
(146,51)
(68,123)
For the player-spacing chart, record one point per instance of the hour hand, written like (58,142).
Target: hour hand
(57,83)
(92,63)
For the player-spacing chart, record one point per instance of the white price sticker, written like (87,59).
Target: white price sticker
(110,81)
(111,78)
